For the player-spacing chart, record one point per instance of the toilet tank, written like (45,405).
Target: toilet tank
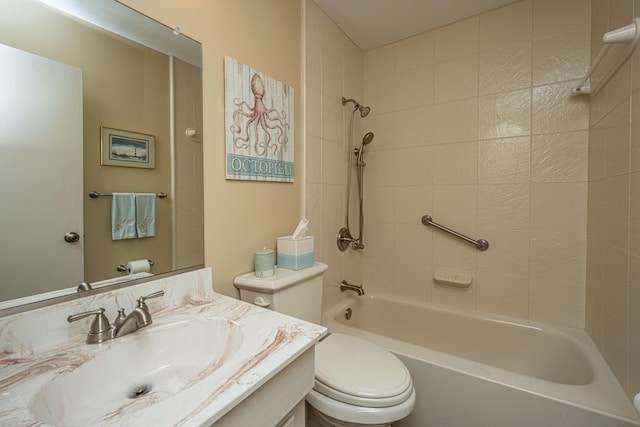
(297,293)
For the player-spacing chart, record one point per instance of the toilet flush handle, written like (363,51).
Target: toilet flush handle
(262,302)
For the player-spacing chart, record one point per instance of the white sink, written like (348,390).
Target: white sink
(137,371)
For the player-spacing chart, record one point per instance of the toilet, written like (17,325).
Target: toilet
(356,382)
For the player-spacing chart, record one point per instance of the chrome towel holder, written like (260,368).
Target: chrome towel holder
(94,195)
(480,244)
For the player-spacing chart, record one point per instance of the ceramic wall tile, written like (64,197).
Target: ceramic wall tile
(558,256)
(503,206)
(554,110)
(456,79)
(561,56)
(634,214)
(313,103)
(456,40)
(411,203)
(414,52)
(313,159)
(380,94)
(455,163)
(380,62)
(556,302)
(506,26)
(559,207)
(505,69)
(560,157)
(456,121)
(414,88)
(455,206)
(552,17)
(332,119)
(504,160)
(505,114)
(412,280)
(413,128)
(508,252)
(503,294)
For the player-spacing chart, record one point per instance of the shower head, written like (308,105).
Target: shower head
(368,137)
(364,111)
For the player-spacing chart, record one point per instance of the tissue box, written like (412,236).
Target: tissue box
(295,254)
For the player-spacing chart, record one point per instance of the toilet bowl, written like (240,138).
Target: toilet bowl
(359,382)
(356,382)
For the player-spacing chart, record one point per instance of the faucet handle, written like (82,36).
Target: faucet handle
(100,327)
(141,300)
(120,318)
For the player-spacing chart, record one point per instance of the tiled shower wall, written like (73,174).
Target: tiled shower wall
(474,124)
(334,68)
(613,239)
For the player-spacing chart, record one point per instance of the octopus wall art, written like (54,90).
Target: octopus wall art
(259,125)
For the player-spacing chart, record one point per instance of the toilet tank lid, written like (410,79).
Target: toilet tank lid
(283,278)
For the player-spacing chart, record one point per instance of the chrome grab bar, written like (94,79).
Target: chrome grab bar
(481,244)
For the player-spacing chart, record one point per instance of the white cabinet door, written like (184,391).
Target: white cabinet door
(40,174)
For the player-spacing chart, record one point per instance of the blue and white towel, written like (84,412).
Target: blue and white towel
(146,214)
(123,216)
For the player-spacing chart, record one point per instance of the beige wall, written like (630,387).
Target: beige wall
(240,217)
(475,126)
(334,68)
(613,240)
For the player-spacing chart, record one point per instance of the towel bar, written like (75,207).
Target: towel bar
(95,195)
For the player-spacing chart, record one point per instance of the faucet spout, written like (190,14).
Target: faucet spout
(137,319)
(346,286)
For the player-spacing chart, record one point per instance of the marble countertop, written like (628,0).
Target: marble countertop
(39,346)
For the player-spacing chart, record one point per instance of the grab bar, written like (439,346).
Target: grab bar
(481,244)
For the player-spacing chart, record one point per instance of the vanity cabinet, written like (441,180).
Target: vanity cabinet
(280,401)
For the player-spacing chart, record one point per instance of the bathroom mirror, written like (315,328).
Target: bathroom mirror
(71,68)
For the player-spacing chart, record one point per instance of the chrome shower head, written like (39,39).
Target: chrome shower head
(368,137)
(364,111)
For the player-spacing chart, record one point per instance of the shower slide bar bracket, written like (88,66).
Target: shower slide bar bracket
(629,34)
(480,244)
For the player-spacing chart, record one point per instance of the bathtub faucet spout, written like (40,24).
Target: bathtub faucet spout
(346,286)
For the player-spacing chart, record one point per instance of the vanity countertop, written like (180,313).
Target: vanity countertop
(39,346)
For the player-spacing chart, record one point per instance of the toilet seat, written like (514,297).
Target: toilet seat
(358,372)
(358,381)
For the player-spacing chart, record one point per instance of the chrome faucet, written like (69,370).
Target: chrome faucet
(101,330)
(346,286)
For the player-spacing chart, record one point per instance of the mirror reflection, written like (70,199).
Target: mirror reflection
(63,80)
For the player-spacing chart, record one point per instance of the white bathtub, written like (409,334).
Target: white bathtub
(479,370)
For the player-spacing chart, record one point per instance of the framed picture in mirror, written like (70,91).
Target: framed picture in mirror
(126,148)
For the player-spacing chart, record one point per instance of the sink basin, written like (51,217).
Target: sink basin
(137,371)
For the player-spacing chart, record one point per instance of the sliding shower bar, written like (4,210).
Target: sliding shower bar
(481,244)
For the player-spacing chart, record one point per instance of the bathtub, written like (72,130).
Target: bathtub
(478,370)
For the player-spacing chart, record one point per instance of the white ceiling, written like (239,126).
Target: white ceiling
(374,23)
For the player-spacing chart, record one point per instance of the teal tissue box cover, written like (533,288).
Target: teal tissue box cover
(295,254)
